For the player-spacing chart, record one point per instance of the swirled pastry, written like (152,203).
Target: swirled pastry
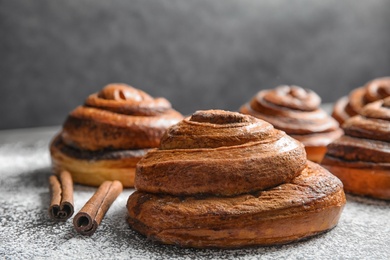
(350,105)
(105,138)
(224,179)
(296,111)
(361,157)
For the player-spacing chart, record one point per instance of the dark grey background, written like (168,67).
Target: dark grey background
(199,54)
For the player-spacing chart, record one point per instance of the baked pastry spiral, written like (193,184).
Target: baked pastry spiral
(361,157)
(296,111)
(350,105)
(105,138)
(223,179)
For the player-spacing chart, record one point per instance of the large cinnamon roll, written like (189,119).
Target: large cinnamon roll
(296,111)
(224,179)
(361,157)
(350,105)
(105,138)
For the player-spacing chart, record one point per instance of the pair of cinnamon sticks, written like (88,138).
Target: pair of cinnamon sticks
(90,216)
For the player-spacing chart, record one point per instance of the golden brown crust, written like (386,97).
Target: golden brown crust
(234,181)
(363,181)
(361,158)
(311,203)
(238,154)
(93,168)
(351,105)
(315,153)
(106,137)
(296,111)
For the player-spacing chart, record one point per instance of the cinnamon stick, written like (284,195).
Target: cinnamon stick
(61,190)
(90,216)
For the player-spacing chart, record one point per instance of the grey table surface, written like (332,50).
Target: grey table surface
(26,232)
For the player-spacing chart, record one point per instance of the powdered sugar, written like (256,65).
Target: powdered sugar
(26,231)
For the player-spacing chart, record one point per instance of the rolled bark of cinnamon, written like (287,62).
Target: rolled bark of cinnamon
(61,190)
(90,216)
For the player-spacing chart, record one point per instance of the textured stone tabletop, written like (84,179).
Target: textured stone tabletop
(26,232)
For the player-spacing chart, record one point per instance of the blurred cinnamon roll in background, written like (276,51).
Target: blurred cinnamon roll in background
(224,179)
(350,105)
(105,138)
(361,157)
(296,111)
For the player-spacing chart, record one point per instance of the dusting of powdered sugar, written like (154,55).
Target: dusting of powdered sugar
(26,232)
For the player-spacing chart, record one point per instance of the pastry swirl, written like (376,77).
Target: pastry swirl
(237,149)
(296,111)
(110,120)
(311,203)
(122,99)
(105,138)
(226,180)
(361,157)
(352,104)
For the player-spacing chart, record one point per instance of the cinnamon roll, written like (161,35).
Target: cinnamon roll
(361,157)
(105,138)
(226,180)
(350,105)
(296,111)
